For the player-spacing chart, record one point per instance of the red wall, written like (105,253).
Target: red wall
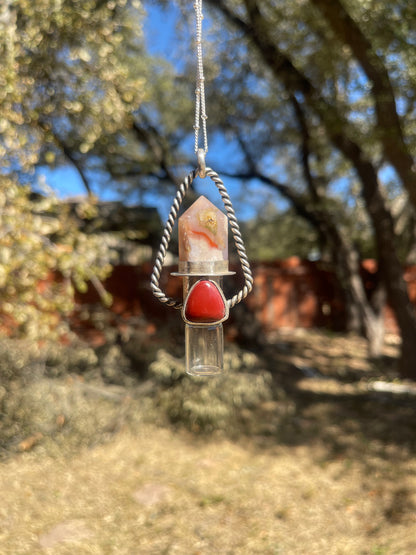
(290,293)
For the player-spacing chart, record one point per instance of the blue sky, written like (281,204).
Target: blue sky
(160,35)
(162,40)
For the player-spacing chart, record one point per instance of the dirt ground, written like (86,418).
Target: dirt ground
(338,476)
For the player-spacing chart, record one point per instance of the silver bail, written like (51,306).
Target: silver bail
(202,171)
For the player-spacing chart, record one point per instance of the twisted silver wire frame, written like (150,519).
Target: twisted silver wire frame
(167,234)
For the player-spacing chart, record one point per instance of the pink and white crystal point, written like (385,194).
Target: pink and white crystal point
(203,233)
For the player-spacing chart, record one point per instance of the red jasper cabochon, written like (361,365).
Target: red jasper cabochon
(205,304)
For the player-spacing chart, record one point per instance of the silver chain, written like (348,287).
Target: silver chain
(200,109)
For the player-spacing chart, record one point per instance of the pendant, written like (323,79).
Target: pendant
(203,262)
(203,251)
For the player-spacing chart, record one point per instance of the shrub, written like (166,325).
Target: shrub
(40,240)
(233,402)
(45,391)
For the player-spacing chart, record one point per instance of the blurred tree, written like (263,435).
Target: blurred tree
(381,49)
(72,74)
(274,235)
(43,257)
(68,81)
(324,137)
(353,103)
(318,102)
(246,107)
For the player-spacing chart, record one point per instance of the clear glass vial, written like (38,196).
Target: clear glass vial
(204,347)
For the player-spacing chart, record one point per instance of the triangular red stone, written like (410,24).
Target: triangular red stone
(205,304)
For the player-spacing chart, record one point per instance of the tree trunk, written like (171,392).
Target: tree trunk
(407,363)
(341,134)
(375,336)
(389,127)
(375,327)
(361,317)
(353,320)
(365,316)
(390,266)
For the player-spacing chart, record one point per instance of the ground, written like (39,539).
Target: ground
(335,474)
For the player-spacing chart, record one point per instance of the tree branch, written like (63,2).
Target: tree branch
(305,148)
(78,167)
(340,132)
(389,125)
(151,136)
(67,152)
(296,200)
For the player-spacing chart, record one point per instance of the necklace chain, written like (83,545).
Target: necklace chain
(200,109)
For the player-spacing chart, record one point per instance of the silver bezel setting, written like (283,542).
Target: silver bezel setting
(206,324)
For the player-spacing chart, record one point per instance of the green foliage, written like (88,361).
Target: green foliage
(62,395)
(43,257)
(72,74)
(71,396)
(70,78)
(278,235)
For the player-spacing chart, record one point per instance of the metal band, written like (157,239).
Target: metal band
(167,234)
(213,268)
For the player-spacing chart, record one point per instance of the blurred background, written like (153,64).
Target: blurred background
(306,443)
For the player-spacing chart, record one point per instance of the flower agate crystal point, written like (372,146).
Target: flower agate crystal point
(203,233)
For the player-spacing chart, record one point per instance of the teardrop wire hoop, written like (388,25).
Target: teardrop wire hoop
(167,234)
